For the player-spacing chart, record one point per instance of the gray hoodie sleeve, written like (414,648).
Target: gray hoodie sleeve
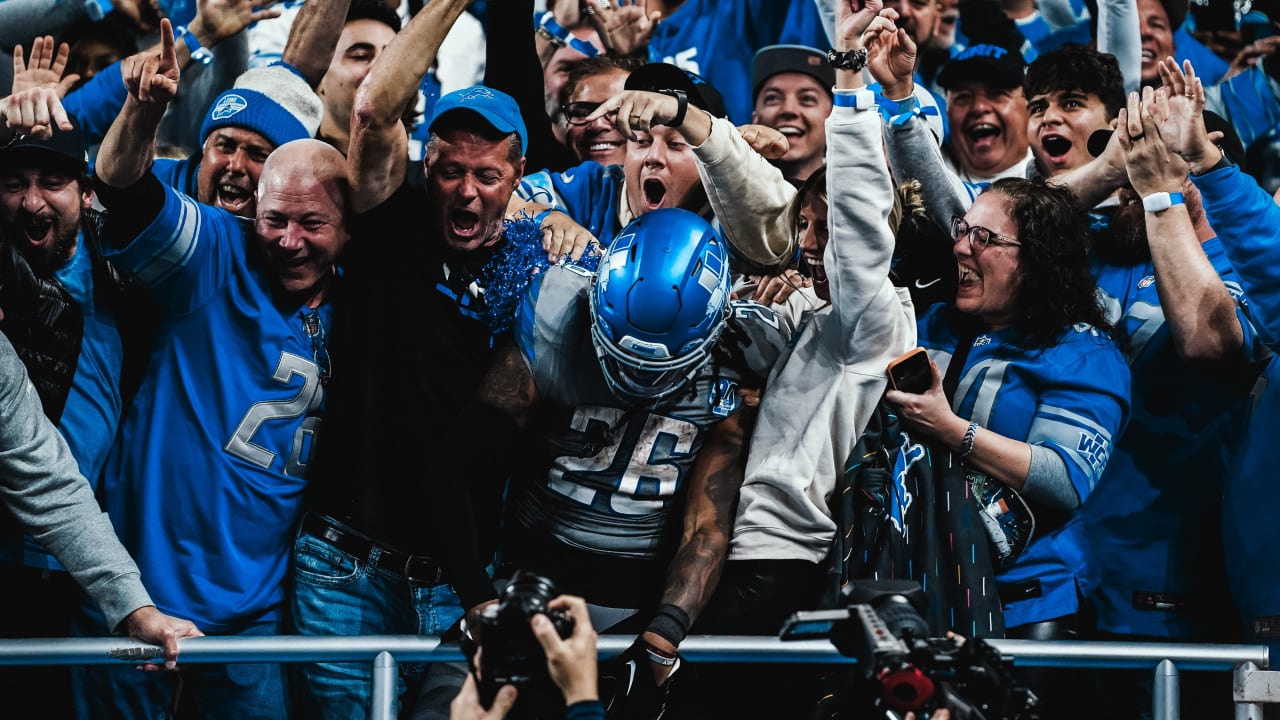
(42,487)
(914,154)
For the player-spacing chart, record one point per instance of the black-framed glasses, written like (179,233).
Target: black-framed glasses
(314,329)
(576,113)
(980,238)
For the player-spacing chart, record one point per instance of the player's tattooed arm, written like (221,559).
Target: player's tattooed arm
(509,386)
(714,481)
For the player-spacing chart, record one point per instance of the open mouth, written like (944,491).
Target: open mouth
(968,277)
(790,130)
(232,198)
(654,193)
(464,222)
(815,269)
(1055,146)
(37,232)
(982,134)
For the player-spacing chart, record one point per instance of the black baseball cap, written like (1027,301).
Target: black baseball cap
(990,64)
(656,77)
(774,59)
(65,148)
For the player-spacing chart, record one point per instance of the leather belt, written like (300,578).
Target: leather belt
(414,568)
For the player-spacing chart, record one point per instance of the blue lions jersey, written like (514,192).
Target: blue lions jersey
(589,193)
(205,483)
(1152,521)
(718,40)
(612,473)
(1072,398)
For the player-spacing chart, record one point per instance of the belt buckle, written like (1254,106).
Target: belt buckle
(412,577)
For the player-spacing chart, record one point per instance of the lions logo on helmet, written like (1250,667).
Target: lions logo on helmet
(659,302)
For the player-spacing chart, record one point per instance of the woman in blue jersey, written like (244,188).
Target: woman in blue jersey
(1039,394)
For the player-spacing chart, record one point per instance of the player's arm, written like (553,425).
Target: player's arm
(692,577)
(378,153)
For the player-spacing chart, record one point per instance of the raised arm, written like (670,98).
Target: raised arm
(129,148)
(378,155)
(313,36)
(1200,312)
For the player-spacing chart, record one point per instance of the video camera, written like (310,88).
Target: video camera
(512,654)
(902,668)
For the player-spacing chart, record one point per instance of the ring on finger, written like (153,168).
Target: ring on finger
(1136,138)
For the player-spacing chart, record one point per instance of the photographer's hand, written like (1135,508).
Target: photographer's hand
(571,661)
(466,706)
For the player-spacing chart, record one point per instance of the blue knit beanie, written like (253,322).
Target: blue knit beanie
(273,101)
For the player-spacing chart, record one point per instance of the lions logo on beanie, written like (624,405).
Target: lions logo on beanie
(273,101)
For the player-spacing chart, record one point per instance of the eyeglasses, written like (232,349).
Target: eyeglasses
(979,237)
(576,113)
(314,329)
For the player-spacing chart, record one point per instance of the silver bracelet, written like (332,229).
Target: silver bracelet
(966,445)
(658,658)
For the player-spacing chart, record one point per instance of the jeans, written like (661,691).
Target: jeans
(337,594)
(233,691)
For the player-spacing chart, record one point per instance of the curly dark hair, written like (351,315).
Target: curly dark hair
(1076,67)
(1057,289)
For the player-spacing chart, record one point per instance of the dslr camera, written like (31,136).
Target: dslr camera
(512,654)
(900,667)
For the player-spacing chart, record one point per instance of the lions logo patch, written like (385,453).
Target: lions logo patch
(723,398)
(227,106)
(477,93)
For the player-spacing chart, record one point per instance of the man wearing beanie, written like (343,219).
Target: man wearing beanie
(204,482)
(791,88)
(268,107)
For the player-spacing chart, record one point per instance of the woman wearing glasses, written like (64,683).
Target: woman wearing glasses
(1038,394)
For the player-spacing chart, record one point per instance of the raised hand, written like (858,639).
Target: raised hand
(625,28)
(217,20)
(1178,112)
(33,112)
(853,17)
(48,61)
(1150,165)
(152,75)
(891,55)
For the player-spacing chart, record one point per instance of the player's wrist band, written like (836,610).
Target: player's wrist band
(659,656)
(670,623)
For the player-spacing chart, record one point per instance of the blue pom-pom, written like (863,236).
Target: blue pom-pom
(507,274)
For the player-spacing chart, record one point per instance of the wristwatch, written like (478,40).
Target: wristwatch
(199,53)
(1161,201)
(853,60)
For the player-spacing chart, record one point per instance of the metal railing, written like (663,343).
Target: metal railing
(1253,685)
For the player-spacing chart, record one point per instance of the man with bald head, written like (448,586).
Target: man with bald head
(204,484)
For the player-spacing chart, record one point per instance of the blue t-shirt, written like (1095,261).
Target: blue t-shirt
(1148,522)
(205,484)
(1072,398)
(589,193)
(92,411)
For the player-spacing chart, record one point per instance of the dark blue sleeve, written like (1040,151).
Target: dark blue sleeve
(97,103)
(585,710)
(1247,221)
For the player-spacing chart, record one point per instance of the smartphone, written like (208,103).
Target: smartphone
(911,372)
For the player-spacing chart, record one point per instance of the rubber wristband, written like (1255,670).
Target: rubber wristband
(537,219)
(670,623)
(658,657)
(682,107)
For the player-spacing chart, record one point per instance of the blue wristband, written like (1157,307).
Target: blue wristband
(555,33)
(199,53)
(537,219)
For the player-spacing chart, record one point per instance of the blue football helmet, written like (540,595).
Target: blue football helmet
(659,302)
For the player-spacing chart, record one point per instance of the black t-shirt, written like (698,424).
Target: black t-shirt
(408,350)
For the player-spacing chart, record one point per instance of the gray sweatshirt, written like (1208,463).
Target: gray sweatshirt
(42,487)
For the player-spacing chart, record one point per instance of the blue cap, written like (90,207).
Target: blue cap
(496,107)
